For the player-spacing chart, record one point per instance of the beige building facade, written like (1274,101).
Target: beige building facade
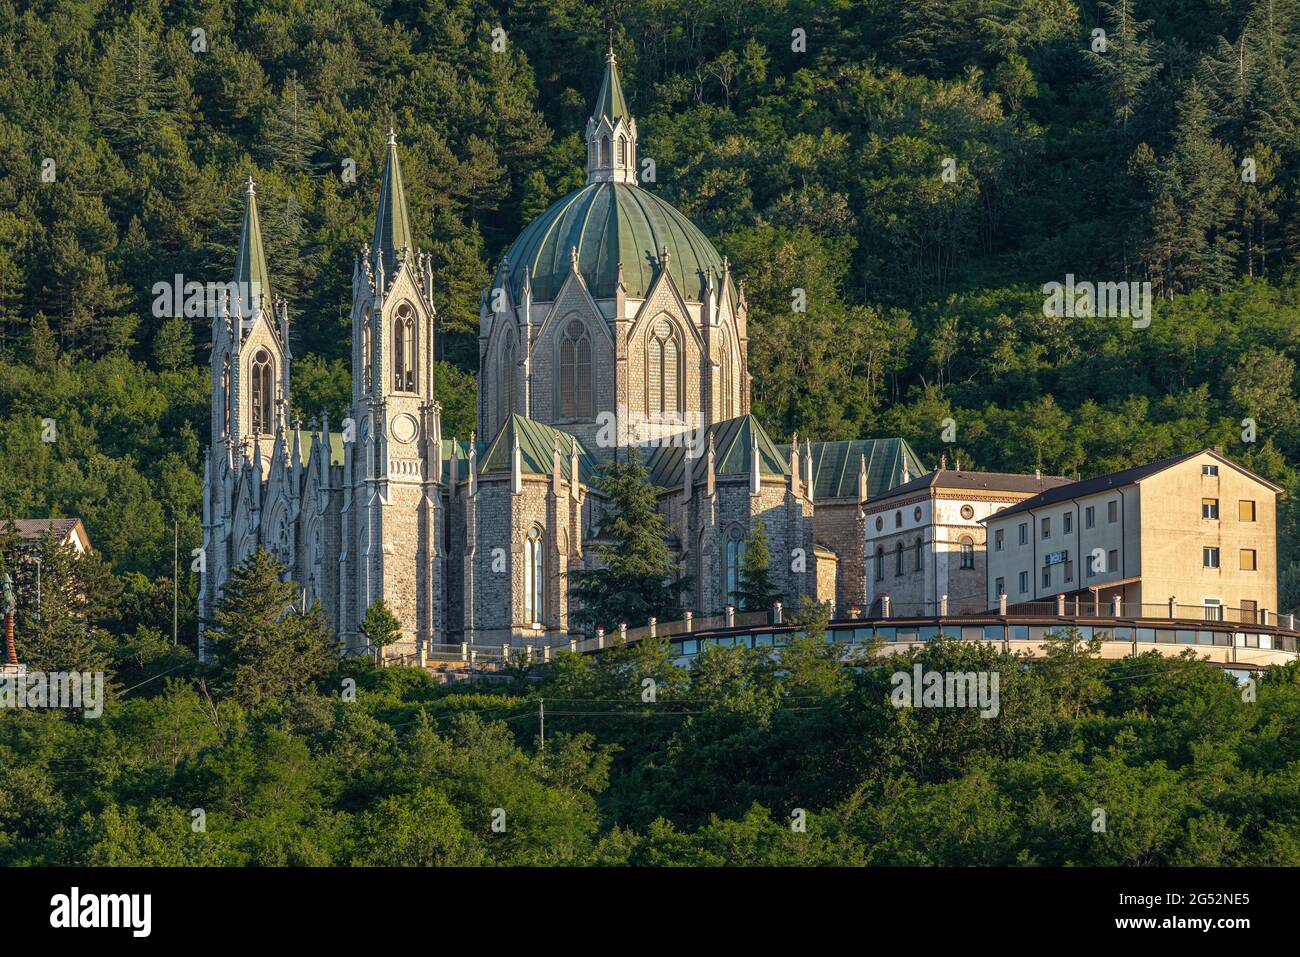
(925,542)
(1196,530)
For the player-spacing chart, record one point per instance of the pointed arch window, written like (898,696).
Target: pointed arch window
(575,372)
(533,577)
(367,354)
(920,561)
(663,373)
(880,563)
(735,560)
(262,392)
(604,150)
(405,337)
(728,393)
(507,390)
(898,559)
(622,151)
(225,395)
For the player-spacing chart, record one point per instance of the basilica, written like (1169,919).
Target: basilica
(611,323)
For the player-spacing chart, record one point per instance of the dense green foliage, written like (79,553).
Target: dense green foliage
(746,759)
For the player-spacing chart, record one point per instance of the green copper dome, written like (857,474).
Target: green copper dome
(610,223)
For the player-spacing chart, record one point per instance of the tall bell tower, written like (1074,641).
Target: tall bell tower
(392,516)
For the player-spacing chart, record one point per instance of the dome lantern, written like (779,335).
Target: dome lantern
(611,132)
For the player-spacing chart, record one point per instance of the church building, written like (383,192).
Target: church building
(611,323)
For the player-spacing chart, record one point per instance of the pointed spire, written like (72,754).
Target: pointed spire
(611,132)
(609,101)
(392,221)
(574,475)
(251,276)
(711,463)
(754,479)
(862,477)
(516,462)
(808,468)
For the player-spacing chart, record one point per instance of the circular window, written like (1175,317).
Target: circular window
(261,356)
(916,513)
(880,523)
(967,512)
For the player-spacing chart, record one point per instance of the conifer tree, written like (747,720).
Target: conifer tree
(635,579)
(267,650)
(291,134)
(756,591)
(1127,63)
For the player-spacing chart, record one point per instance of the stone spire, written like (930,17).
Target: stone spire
(392,221)
(251,276)
(611,132)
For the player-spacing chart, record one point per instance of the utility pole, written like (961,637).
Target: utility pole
(176,552)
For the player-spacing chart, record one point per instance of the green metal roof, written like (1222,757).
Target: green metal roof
(609,101)
(392,222)
(536,446)
(610,223)
(460,449)
(305,443)
(835,466)
(250,260)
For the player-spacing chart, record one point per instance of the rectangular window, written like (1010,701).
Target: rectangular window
(1112,560)
(967,555)
(1210,509)
(1089,517)
(1246,510)
(1248,559)
(1248,612)
(1047,527)
(1000,586)
(1213,609)
(1209,557)
(1069,522)
(997,540)
(1112,511)
(1024,533)
(1092,565)
(1024,583)
(1209,470)
(1047,576)
(1069,571)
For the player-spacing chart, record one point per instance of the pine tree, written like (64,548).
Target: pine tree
(291,134)
(635,579)
(63,614)
(268,651)
(1128,62)
(756,591)
(134,102)
(172,347)
(1194,224)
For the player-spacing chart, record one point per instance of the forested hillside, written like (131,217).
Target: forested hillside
(125,140)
